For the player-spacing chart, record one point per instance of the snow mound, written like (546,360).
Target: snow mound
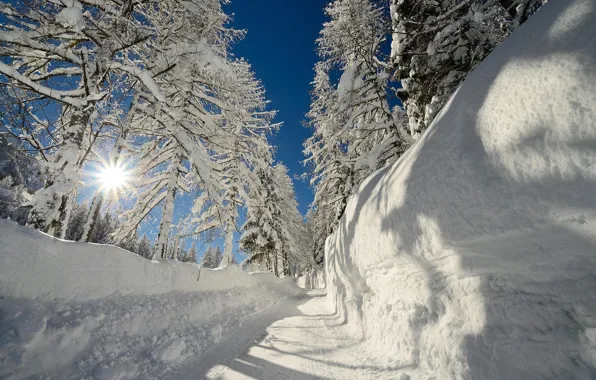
(74,310)
(474,256)
(57,269)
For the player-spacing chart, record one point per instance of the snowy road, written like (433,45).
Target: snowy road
(297,339)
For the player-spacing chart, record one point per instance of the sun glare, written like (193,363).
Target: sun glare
(113,177)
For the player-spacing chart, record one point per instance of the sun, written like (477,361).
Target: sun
(113,177)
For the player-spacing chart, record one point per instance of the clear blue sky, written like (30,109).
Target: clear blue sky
(280,45)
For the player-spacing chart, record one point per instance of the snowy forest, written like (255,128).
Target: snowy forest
(298,189)
(116,112)
(386,69)
(111,110)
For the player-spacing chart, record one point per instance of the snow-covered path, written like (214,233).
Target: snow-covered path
(299,338)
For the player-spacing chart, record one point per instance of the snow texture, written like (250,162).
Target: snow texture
(72,17)
(313,279)
(473,256)
(75,310)
(295,340)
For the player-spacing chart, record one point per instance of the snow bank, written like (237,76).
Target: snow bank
(474,256)
(76,310)
(57,269)
(314,279)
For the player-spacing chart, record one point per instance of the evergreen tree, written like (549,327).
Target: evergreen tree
(77,221)
(218,256)
(437,43)
(212,257)
(260,238)
(131,243)
(355,130)
(192,254)
(272,236)
(145,248)
(104,229)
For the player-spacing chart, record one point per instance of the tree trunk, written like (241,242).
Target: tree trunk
(63,174)
(176,245)
(161,246)
(228,246)
(72,200)
(92,218)
(286,264)
(275,272)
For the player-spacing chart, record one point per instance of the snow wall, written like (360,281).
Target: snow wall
(314,279)
(474,256)
(75,310)
(57,269)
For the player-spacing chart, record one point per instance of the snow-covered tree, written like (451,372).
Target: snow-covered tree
(104,229)
(294,253)
(20,177)
(179,250)
(355,129)
(145,248)
(161,77)
(273,234)
(68,56)
(192,254)
(77,221)
(207,129)
(131,243)
(161,169)
(211,257)
(261,239)
(437,43)
(107,224)
(115,161)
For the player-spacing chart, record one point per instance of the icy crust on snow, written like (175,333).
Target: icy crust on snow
(474,256)
(74,310)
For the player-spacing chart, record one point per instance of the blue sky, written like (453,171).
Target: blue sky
(280,45)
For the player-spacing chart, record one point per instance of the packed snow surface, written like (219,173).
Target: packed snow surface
(74,310)
(298,339)
(474,256)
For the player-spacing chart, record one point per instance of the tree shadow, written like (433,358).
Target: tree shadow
(340,364)
(457,187)
(226,351)
(252,366)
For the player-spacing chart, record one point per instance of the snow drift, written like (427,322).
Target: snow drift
(76,310)
(474,256)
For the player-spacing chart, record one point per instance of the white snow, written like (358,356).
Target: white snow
(473,256)
(72,17)
(313,279)
(60,270)
(74,310)
(295,340)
